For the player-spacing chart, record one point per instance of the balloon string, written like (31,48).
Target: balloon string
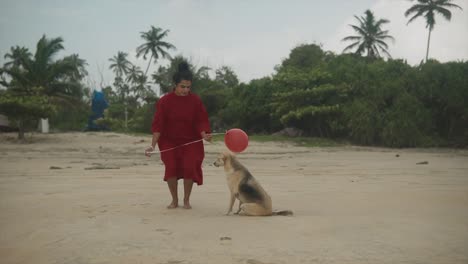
(191,142)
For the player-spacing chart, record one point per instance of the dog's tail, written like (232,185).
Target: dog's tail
(283,212)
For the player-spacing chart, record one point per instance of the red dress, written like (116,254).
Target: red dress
(180,120)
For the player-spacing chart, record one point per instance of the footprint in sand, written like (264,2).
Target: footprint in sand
(164,231)
(225,240)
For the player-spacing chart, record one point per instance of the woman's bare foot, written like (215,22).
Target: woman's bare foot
(173,205)
(187,205)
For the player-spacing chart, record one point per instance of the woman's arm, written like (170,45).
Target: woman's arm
(154,141)
(203,123)
(156,128)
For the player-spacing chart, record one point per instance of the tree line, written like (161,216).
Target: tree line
(357,96)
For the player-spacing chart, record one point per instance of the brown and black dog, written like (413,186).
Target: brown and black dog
(253,199)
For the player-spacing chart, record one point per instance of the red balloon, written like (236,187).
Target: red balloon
(236,140)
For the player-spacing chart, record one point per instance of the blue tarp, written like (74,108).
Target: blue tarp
(98,105)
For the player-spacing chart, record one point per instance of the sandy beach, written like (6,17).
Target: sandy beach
(95,198)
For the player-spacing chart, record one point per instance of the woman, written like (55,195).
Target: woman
(181,118)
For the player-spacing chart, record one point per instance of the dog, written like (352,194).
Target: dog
(253,199)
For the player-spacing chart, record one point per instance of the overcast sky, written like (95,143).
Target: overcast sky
(251,36)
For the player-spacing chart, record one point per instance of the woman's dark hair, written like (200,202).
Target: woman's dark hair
(183,73)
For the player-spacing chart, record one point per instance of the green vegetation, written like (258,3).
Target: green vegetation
(39,83)
(331,99)
(299,141)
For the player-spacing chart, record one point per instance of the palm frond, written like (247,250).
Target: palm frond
(382,43)
(418,14)
(447,3)
(444,12)
(351,38)
(349,47)
(361,31)
(381,22)
(418,8)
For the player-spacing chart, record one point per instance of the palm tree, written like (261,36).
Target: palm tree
(133,74)
(41,70)
(202,73)
(120,65)
(226,76)
(79,66)
(428,9)
(163,76)
(139,81)
(41,79)
(16,56)
(370,37)
(155,45)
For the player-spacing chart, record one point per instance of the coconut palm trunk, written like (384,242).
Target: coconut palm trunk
(20,129)
(149,63)
(126,116)
(428,42)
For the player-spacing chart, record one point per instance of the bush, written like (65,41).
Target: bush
(142,119)
(70,118)
(406,124)
(363,122)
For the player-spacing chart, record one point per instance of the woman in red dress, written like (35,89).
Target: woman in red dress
(181,118)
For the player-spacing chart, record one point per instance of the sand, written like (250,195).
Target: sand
(95,198)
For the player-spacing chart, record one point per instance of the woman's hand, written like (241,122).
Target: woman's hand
(154,141)
(206,136)
(148,151)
